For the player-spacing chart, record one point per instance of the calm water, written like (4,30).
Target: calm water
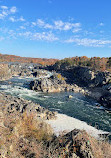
(80,107)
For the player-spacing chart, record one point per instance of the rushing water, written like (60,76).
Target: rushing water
(79,106)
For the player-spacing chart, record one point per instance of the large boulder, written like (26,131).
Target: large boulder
(52,84)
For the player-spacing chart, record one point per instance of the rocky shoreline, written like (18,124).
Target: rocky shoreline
(92,83)
(11,104)
(21,138)
(77,79)
(54,83)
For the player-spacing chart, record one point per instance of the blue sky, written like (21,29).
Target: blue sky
(55,28)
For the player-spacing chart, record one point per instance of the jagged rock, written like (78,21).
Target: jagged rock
(14,104)
(102,78)
(75,144)
(106,100)
(52,84)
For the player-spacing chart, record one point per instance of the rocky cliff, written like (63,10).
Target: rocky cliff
(55,83)
(97,83)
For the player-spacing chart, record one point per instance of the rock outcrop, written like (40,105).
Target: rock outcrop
(26,70)
(78,144)
(52,84)
(55,83)
(13,104)
(96,84)
(23,133)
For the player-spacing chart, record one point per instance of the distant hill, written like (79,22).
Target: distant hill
(13,58)
(95,63)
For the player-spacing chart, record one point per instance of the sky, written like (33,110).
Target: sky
(55,28)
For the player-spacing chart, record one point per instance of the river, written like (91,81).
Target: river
(79,106)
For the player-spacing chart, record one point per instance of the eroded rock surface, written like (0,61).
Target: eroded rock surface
(12,104)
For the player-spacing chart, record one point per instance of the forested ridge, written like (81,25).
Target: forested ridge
(14,58)
(95,63)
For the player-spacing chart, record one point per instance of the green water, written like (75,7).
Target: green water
(79,106)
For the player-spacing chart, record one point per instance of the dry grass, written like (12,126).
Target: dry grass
(30,127)
(23,136)
(3,70)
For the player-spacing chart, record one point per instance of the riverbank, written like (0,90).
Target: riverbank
(26,133)
(77,79)
(65,124)
(96,84)
(59,122)
(10,104)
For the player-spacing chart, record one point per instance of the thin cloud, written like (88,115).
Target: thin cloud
(33,24)
(13,9)
(22,27)
(101,24)
(44,36)
(2,16)
(40,22)
(5,11)
(2,38)
(21,19)
(76,30)
(13,19)
(58,25)
(4,7)
(89,42)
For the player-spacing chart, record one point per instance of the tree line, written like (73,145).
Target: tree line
(95,63)
(14,58)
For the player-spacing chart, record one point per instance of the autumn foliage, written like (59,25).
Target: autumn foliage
(96,63)
(13,58)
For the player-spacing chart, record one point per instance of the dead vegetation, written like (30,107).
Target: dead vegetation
(25,136)
(4,71)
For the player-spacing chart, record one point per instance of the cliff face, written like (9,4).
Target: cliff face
(85,76)
(98,83)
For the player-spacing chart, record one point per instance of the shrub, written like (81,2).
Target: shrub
(30,127)
(23,136)
(59,76)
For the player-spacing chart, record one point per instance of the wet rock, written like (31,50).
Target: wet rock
(105,100)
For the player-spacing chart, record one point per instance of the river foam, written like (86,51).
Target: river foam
(65,123)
